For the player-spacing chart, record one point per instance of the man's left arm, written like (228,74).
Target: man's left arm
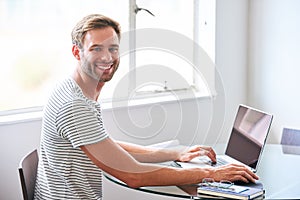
(155,155)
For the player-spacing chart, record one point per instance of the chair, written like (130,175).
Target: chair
(290,140)
(27,172)
(290,137)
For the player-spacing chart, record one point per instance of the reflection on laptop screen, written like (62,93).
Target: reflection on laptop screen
(248,135)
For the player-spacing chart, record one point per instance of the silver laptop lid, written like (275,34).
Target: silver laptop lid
(248,135)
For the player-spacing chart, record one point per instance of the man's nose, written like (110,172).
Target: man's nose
(106,55)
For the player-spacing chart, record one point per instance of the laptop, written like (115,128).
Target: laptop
(246,142)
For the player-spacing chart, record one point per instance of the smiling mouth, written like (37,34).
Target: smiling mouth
(104,66)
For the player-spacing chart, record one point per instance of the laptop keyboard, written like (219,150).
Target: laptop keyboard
(219,162)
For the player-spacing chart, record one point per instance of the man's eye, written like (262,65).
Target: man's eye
(97,49)
(114,50)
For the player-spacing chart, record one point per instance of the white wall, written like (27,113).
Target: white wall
(274,61)
(15,141)
(231,45)
(231,54)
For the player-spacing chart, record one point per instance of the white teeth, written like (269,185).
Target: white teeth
(105,66)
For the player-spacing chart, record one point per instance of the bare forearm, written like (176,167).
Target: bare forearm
(171,176)
(149,154)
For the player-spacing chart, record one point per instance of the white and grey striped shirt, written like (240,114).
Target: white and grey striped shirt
(70,121)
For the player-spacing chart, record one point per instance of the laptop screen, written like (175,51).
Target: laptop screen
(248,135)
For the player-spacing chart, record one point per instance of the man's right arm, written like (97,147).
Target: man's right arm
(113,159)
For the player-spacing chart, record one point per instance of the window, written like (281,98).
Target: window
(36,45)
(170,68)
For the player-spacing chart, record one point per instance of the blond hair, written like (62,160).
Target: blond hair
(91,22)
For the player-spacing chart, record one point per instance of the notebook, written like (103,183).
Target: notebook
(232,192)
(246,142)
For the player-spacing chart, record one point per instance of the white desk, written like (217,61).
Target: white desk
(279,173)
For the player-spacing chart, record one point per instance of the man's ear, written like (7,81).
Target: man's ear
(76,51)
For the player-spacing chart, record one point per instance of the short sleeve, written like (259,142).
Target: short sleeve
(81,123)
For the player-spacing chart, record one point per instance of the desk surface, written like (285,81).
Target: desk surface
(278,172)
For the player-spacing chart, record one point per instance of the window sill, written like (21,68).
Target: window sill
(142,99)
(21,115)
(151,98)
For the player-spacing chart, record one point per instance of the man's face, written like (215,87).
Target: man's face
(100,54)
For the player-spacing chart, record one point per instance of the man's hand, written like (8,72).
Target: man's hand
(234,172)
(195,151)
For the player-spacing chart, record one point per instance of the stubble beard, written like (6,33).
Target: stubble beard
(87,67)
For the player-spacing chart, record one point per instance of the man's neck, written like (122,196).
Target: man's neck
(90,87)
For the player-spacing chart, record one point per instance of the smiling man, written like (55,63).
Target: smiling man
(75,147)
(99,56)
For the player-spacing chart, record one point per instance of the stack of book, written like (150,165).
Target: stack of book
(233,192)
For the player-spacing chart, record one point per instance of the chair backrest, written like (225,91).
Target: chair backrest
(290,137)
(27,172)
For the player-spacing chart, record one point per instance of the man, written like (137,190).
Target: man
(75,147)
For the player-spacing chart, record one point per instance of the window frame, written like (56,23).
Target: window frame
(198,21)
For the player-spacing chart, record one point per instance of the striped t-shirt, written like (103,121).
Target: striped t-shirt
(70,120)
